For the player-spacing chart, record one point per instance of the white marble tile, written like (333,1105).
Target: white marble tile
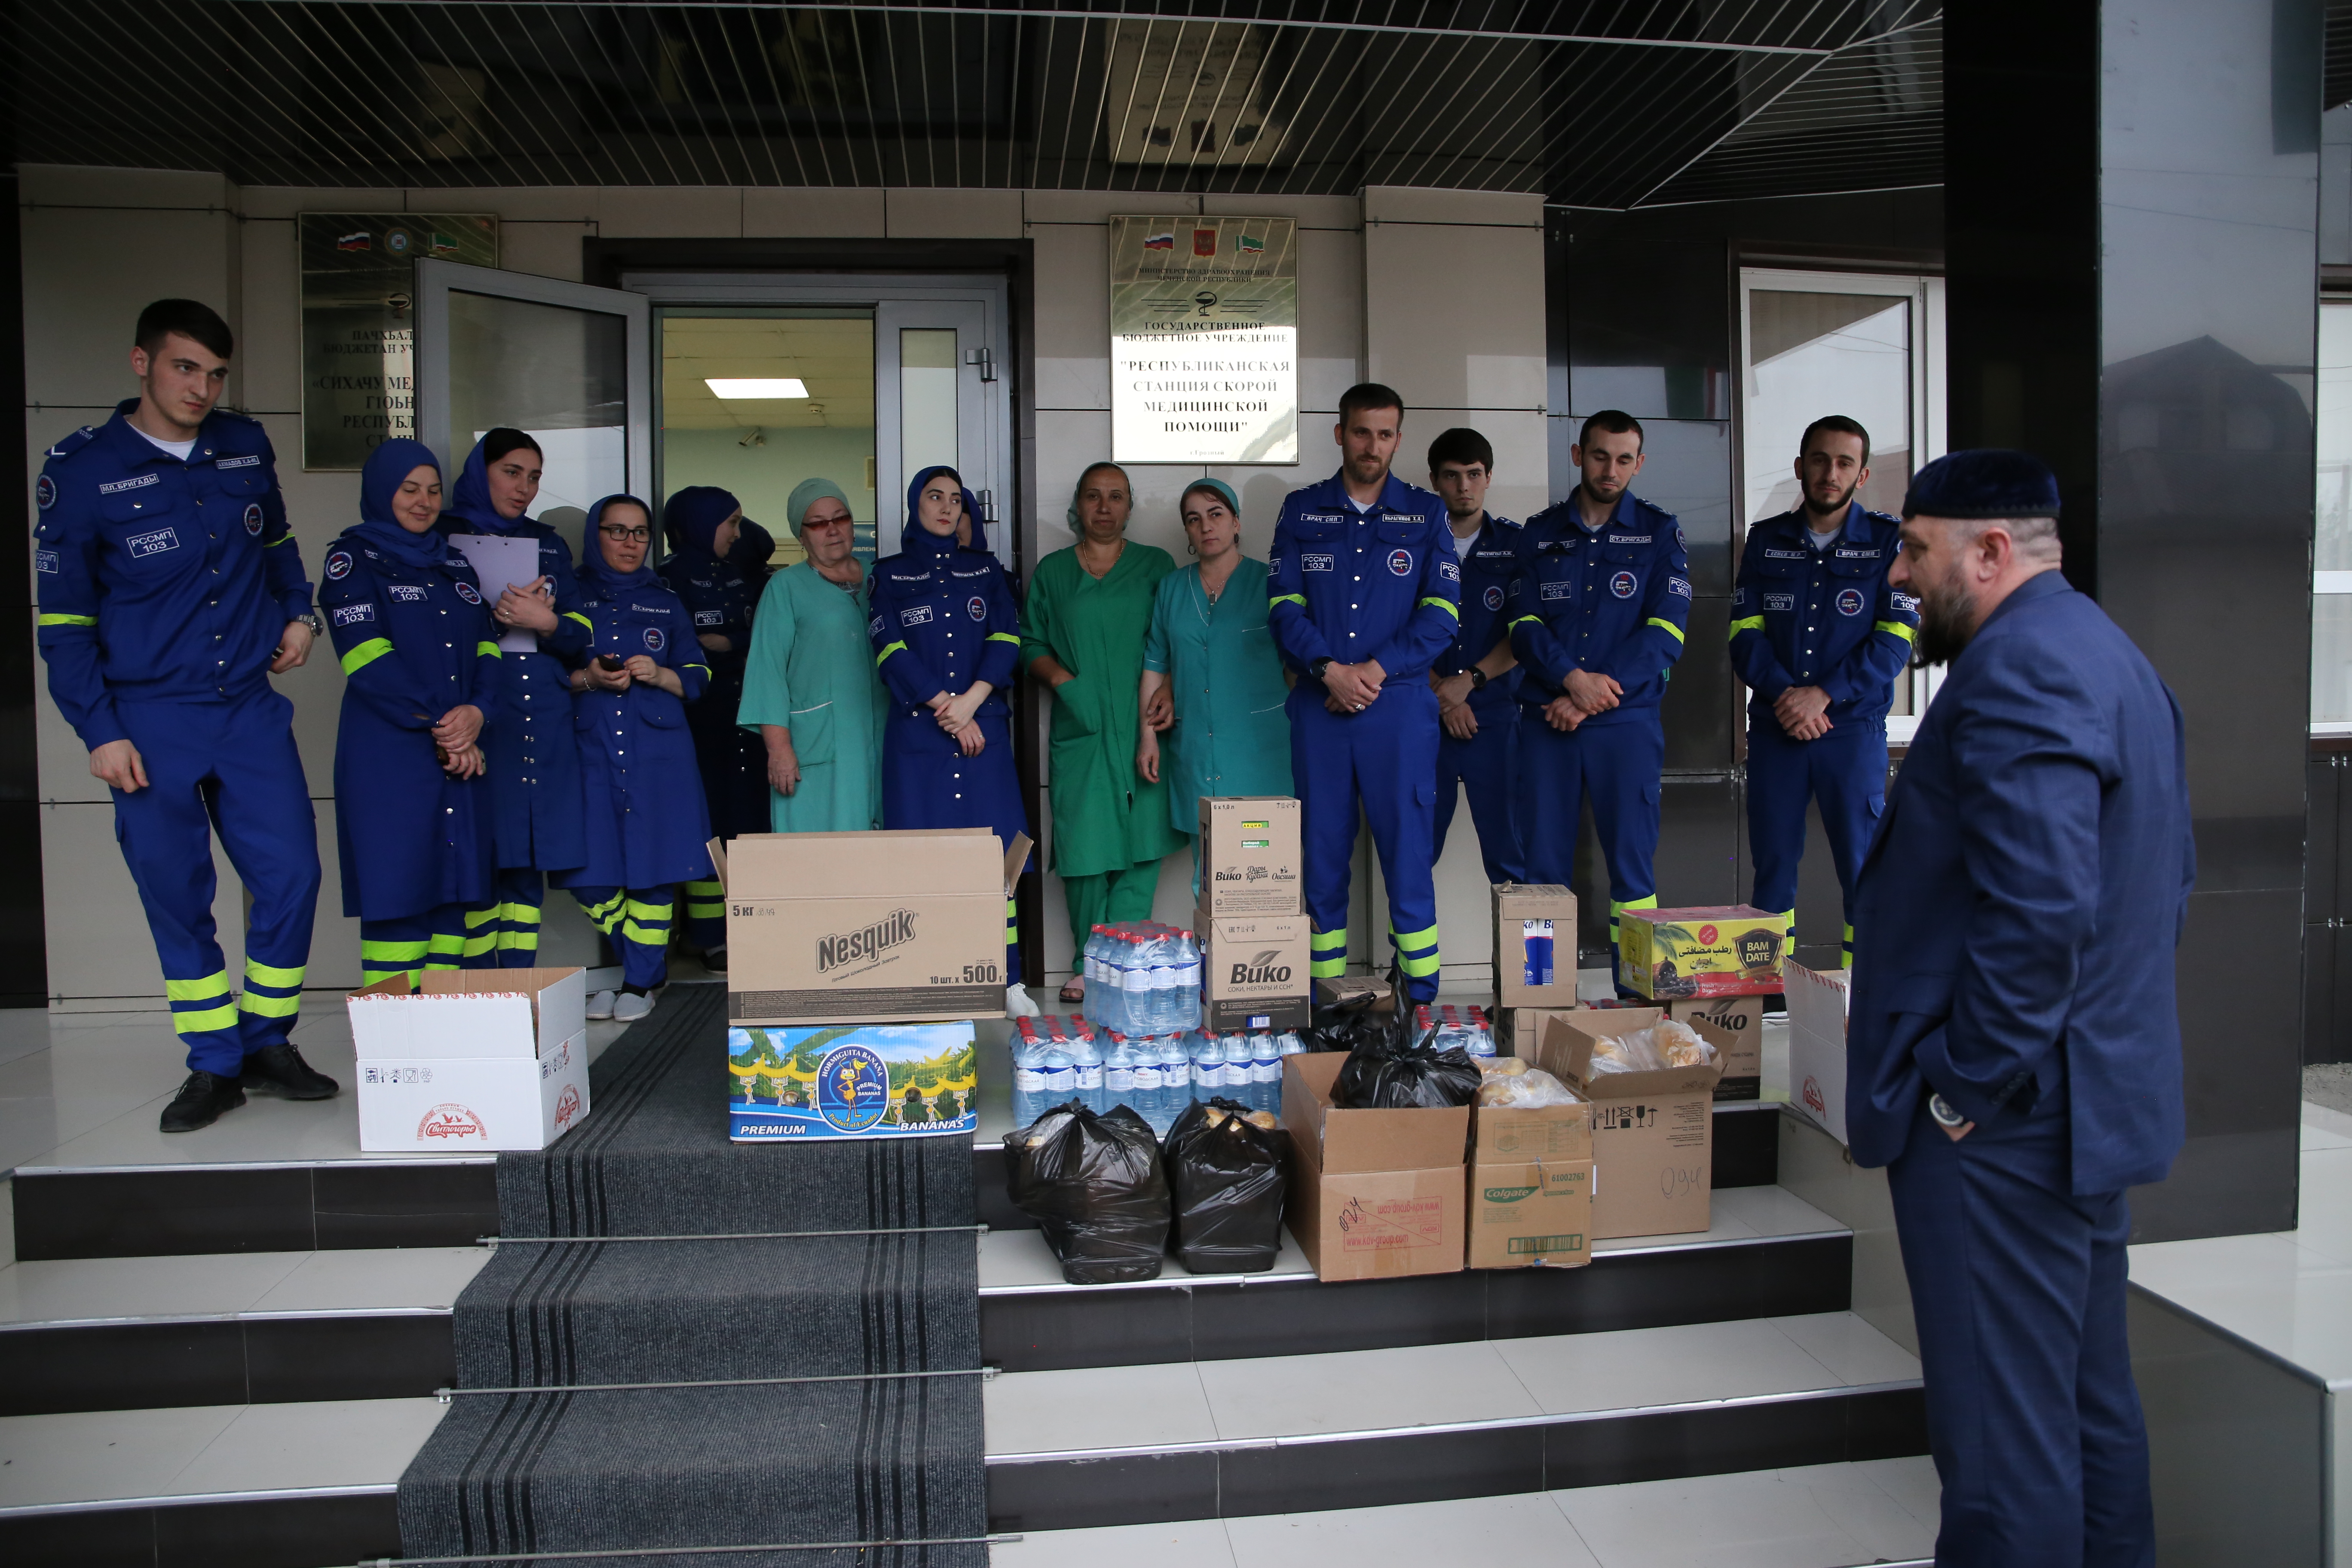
(1015,1260)
(2325,1211)
(98,1290)
(49,1459)
(1824,1516)
(2283,1297)
(1636,1368)
(1184,1543)
(324,1443)
(1528,1528)
(377,1278)
(1910,1482)
(1363,1391)
(1853,1351)
(1096,1407)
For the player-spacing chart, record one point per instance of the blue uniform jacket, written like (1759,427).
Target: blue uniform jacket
(534,771)
(720,599)
(415,642)
(1382,584)
(161,580)
(940,620)
(1802,616)
(647,824)
(2016,916)
(1615,602)
(1486,569)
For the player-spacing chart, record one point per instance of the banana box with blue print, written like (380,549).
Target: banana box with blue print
(477,1059)
(1714,950)
(859,1081)
(867,927)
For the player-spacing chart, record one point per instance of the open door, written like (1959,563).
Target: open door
(938,399)
(569,363)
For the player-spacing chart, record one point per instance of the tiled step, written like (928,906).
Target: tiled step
(281,1206)
(1228,1439)
(236,1486)
(1769,1255)
(1878,1511)
(224,1329)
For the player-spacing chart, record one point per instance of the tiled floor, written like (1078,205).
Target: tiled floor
(226,1285)
(210,1450)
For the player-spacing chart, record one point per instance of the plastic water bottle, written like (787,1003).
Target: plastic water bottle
(1175,1079)
(1142,1069)
(1265,1072)
(1118,1076)
(1091,964)
(1135,983)
(1185,999)
(1208,1066)
(1087,1065)
(1028,1079)
(1059,1072)
(1241,1083)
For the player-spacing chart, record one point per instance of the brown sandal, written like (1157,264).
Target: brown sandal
(1073,992)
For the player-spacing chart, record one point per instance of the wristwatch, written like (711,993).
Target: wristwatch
(1941,1109)
(1478,678)
(316,622)
(1320,665)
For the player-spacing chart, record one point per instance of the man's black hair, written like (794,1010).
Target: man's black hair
(1370,395)
(190,318)
(498,443)
(1463,445)
(1610,421)
(1838,425)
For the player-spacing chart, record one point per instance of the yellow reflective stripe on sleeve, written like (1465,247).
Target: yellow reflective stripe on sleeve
(704,667)
(211,985)
(1447,604)
(576,616)
(270,974)
(488,650)
(1900,629)
(1747,624)
(365,654)
(888,649)
(69,620)
(1528,621)
(1668,625)
(286,538)
(1298,599)
(1004,637)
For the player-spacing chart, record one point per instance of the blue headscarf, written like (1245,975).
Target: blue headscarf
(470,503)
(691,517)
(380,479)
(753,546)
(916,540)
(594,570)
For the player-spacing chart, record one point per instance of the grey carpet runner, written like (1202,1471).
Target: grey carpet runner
(570,1470)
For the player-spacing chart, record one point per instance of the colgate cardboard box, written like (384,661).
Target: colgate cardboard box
(1652,1131)
(477,1059)
(1374,1194)
(1539,1212)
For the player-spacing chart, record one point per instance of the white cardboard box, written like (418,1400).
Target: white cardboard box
(439,1104)
(1817,1012)
(468,1015)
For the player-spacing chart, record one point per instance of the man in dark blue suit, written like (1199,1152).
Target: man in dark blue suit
(2013,1052)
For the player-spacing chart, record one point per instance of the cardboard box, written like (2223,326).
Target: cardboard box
(1515,1135)
(1818,999)
(1652,1132)
(1535,945)
(1537,1212)
(1741,1018)
(439,1104)
(1374,1194)
(870,1080)
(1341,988)
(1250,862)
(1717,950)
(468,1015)
(1253,973)
(865,928)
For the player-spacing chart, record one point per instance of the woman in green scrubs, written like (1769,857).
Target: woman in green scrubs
(809,685)
(1082,629)
(1209,649)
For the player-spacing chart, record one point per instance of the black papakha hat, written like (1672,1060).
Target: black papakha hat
(1988,482)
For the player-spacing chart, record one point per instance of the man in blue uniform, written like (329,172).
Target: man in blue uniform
(1819,635)
(1599,606)
(1477,678)
(170,592)
(2014,1054)
(1363,590)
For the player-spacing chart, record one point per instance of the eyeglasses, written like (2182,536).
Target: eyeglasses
(639,534)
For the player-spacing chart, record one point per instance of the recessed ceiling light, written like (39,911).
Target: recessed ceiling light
(756,387)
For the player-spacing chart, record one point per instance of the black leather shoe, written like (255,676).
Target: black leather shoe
(200,1102)
(281,1070)
(714,958)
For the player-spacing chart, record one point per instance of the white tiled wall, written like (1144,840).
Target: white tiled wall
(1442,296)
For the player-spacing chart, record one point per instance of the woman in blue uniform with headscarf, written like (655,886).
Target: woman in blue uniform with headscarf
(644,819)
(420,668)
(534,771)
(947,640)
(702,523)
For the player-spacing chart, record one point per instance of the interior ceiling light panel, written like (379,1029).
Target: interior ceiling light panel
(756,387)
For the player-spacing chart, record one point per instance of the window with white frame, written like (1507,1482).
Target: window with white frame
(2331,550)
(1864,344)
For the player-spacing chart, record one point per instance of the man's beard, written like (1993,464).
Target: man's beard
(1948,619)
(1836,507)
(1594,495)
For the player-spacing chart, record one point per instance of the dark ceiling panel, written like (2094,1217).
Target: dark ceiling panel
(1600,104)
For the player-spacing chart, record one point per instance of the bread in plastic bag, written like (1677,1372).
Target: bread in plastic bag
(1096,1187)
(1669,1043)
(1524,1091)
(1226,1181)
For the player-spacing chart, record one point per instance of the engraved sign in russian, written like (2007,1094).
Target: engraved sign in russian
(359,322)
(1205,339)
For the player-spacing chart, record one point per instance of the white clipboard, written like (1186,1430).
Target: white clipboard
(499,565)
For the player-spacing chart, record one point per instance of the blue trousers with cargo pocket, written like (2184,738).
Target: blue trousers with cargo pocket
(1385,757)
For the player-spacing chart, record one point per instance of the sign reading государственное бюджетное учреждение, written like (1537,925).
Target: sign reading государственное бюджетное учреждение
(1205,339)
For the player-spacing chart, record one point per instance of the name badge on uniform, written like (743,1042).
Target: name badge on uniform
(142,545)
(1779,601)
(1318,562)
(116,487)
(1788,554)
(251,461)
(709,617)
(1844,555)
(352,615)
(1906,602)
(915,615)
(1560,590)
(406,593)
(45,561)
(1630,537)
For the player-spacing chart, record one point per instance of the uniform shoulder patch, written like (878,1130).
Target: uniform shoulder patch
(73,443)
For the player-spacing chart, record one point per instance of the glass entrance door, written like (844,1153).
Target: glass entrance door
(564,362)
(933,371)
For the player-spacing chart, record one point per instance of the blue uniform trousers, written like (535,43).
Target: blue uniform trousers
(1385,757)
(452,936)
(1618,765)
(514,917)
(1488,765)
(233,769)
(927,783)
(637,921)
(1845,770)
(2018,1292)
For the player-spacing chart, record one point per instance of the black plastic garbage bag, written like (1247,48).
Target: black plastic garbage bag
(1226,1175)
(1351,1025)
(1095,1187)
(1408,1077)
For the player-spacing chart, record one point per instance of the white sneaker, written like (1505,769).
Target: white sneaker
(1017,1003)
(629,1006)
(600,1005)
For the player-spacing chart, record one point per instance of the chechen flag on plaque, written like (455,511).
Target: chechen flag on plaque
(1164,240)
(1204,242)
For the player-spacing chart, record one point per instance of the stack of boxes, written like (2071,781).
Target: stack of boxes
(1257,960)
(1535,961)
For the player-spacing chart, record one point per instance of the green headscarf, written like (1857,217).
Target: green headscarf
(806,494)
(1232,502)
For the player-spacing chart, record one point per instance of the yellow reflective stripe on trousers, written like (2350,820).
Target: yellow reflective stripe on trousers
(365,654)
(1665,625)
(262,974)
(1898,628)
(521,914)
(69,620)
(392,952)
(1747,624)
(482,916)
(1329,968)
(1416,951)
(214,984)
(221,1018)
(1325,940)
(265,1006)
(1616,908)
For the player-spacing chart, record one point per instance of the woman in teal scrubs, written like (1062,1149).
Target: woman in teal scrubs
(1212,684)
